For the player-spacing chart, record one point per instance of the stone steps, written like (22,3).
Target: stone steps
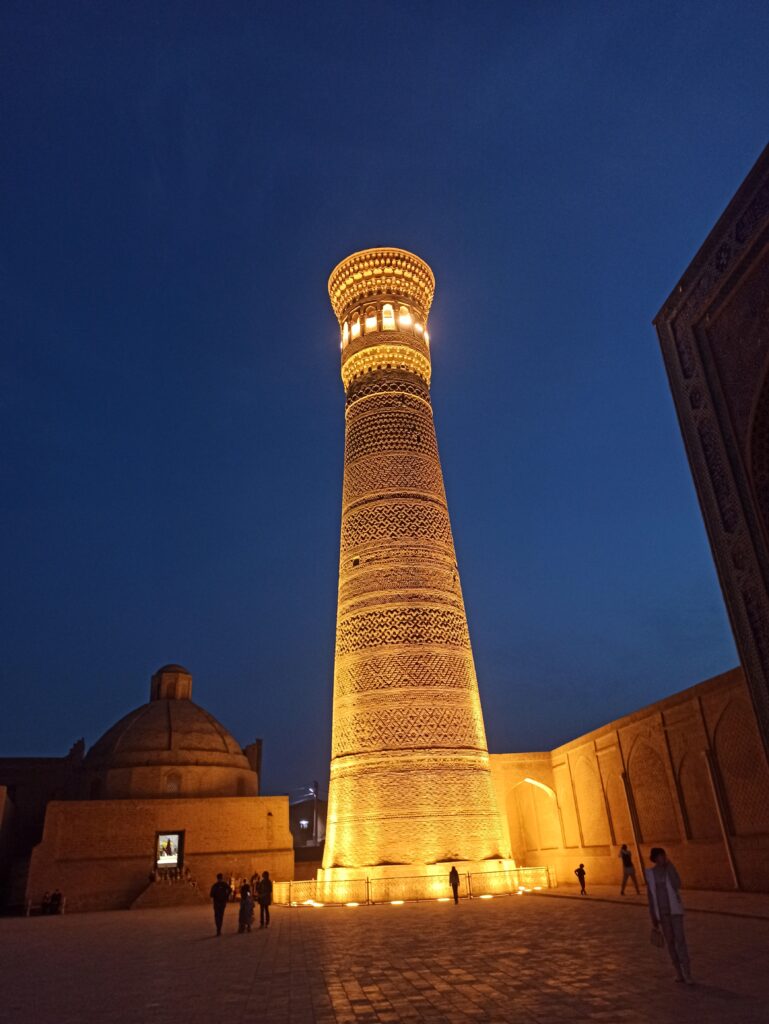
(169,894)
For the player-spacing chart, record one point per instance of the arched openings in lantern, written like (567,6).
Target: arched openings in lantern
(404,317)
(388,317)
(370,319)
(355,329)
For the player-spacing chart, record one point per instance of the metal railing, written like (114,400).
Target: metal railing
(414,888)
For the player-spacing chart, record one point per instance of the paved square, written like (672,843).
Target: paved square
(528,959)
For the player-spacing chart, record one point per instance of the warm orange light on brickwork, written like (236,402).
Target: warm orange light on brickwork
(411,788)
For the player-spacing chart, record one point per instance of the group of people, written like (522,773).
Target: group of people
(159,874)
(259,889)
(663,892)
(52,903)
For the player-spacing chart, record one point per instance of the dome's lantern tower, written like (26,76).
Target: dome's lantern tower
(410,780)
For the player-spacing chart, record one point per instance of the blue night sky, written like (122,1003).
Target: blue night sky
(178,180)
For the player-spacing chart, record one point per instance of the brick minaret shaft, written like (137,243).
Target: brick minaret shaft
(410,779)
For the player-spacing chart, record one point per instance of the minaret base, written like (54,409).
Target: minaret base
(374,871)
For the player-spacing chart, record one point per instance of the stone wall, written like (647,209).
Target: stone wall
(7,813)
(688,773)
(100,853)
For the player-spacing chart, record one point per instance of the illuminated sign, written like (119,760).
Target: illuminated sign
(168,849)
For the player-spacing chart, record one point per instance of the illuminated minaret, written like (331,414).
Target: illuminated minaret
(410,780)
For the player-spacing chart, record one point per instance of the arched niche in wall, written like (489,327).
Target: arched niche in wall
(651,794)
(620,817)
(590,803)
(742,766)
(172,783)
(533,817)
(697,793)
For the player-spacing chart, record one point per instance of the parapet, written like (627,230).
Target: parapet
(381,274)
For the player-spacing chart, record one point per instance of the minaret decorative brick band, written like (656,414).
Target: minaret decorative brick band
(410,780)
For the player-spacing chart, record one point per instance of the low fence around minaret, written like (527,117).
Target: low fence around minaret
(358,891)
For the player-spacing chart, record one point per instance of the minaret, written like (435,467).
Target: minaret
(410,780)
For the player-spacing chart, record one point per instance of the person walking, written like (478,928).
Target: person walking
(454,882)
(663,887)
(580,873)
(628,869)
(246,914)
(220,894)
(265,899)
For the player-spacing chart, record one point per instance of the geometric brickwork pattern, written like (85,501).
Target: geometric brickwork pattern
(408,472)
(715,343)
(398,520)
(410,778)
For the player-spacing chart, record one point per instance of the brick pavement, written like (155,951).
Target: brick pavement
(527,960)
(736,904)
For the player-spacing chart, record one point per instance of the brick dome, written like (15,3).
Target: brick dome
(169,746)
(166,732)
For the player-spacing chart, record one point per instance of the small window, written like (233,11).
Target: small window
(345,333)
(355,329)
(355,563)
(404,316)
(370,320)
(173,782)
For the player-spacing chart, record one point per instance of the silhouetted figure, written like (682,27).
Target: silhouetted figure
(663,892)
(265,899)
(56,898)
(220,894)
(246,914)
(628,869)
(45,903)
(580,873)
(454,882)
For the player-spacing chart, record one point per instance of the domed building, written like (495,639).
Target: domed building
(169,746)
(165,794)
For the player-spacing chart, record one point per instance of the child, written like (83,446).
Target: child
(580,873)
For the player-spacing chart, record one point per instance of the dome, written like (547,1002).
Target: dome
(169,746)
(173,731)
